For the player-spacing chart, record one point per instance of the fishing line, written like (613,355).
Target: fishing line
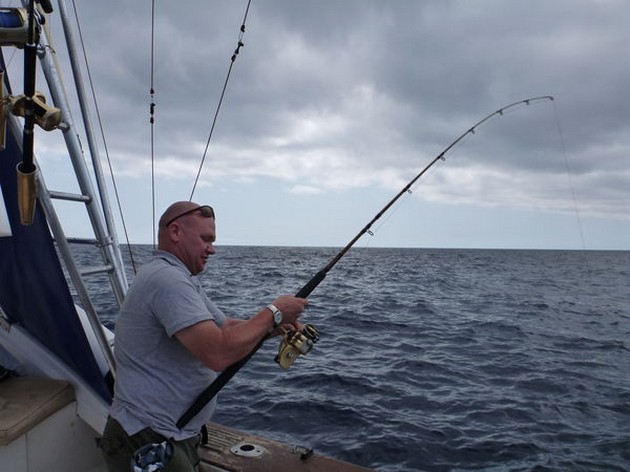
(224,377)
(240,44)
(569,176)
(395,208)
(408,194)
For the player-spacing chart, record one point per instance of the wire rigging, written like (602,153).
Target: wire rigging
(152,116)
(240,44)
(102,131)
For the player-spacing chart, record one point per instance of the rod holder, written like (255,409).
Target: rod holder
(27,193)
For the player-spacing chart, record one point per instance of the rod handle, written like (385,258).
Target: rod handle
(211,391)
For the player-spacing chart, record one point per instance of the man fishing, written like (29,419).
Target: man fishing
(171,340)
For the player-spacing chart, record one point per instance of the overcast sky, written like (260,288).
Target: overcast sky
(334,105)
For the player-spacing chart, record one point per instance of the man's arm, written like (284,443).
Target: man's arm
(219,347)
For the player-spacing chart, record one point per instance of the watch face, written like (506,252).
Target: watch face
(277,318)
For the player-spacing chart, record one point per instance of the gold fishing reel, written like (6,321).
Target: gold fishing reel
(295,343)
(48,118)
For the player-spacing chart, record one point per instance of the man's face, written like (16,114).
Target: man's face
(197,242)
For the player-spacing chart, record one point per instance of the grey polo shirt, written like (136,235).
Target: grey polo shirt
(157,377)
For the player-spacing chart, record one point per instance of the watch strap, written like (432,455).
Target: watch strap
(277,315)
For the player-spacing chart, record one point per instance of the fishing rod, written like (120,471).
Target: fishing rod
(26,170)
(296,343)
(21,27)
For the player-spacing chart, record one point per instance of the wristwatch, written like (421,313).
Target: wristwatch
(277,315)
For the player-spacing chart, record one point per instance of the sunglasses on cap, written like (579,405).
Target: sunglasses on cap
(206,212)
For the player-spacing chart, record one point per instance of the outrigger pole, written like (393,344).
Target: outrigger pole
(224,377)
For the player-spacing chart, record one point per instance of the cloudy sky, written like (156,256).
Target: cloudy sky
(334,105)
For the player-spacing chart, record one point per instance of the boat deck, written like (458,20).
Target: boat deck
(235,451)
(39,428)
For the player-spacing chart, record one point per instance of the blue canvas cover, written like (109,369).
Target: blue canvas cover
(33,289)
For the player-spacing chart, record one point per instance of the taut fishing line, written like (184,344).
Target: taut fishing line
(296,343)
(569,176)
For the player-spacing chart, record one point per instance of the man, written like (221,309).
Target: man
(171,340)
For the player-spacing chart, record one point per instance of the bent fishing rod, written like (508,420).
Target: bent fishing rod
(296,343)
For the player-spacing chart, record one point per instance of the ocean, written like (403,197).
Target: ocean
(438,360)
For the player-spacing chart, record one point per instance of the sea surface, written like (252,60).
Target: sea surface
(438,360)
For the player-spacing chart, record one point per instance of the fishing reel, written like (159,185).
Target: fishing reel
(295,343)
(48,118)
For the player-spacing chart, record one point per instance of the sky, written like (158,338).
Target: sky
(333,106)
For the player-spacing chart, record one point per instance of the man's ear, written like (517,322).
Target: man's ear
(175,232)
